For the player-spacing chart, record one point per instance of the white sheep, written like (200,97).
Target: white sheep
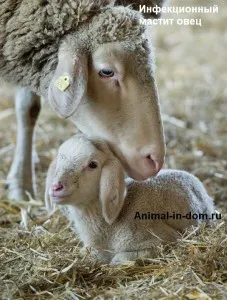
(90,60)
(89,179)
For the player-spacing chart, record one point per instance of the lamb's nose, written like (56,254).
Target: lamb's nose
(57,187)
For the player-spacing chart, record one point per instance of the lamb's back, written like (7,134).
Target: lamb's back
(155,203)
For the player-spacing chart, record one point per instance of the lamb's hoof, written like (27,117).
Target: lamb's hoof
(115,261)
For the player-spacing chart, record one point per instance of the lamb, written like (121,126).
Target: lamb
(108,213)
(89,59)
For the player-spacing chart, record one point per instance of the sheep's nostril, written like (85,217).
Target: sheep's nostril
(57,187)
(155,164)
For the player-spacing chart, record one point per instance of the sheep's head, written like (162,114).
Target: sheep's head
(110,91)
(84,172)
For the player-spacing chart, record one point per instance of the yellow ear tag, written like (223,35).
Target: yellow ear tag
(62,83)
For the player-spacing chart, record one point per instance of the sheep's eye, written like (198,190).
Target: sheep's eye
(106,73)
(93,165)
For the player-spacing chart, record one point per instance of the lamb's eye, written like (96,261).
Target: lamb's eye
(93,165)
(106,73)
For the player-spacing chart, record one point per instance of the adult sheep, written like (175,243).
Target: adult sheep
(109,91)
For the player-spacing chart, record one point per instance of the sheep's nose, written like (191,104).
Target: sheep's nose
(144,164)
(57,187)
(154,162)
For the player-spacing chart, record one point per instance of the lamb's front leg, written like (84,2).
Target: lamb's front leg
(98,255)
(21,177)
(132,255)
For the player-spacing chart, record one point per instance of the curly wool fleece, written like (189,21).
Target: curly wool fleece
(31,32)
(148,3)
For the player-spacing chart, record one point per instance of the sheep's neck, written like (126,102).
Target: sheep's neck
(89,222)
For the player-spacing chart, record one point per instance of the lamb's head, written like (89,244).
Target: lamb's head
(110,90)
(86,173)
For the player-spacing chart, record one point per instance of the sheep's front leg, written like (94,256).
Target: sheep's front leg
(131,255)
(21,178)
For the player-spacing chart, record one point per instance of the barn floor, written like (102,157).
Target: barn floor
(42,261)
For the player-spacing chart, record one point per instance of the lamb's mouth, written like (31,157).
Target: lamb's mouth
(60,199)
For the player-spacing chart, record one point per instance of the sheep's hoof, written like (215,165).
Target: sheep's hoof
(17,193)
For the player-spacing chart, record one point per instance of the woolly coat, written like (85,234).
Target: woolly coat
(136,5)
(31,32)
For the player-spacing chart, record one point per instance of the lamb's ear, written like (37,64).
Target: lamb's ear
(112,190)
(69,82)
(49,179)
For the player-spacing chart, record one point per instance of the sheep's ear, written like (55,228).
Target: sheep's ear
(112,190)
(69,83)
(49,179)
